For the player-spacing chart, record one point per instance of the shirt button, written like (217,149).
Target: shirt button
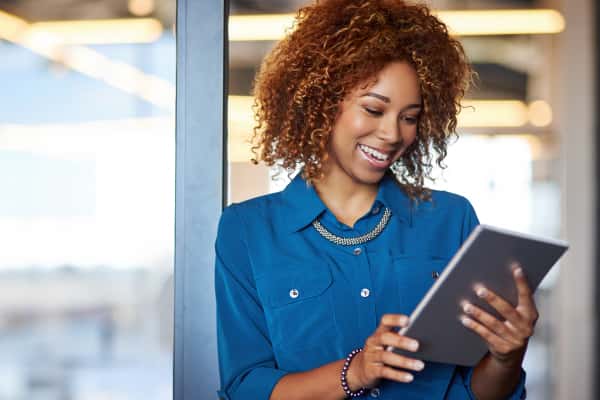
(365,292)
(375,210)
(435,274)
(294,293)
(375,392)
(357,251)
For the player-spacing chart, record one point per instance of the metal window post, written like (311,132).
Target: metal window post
(200,191)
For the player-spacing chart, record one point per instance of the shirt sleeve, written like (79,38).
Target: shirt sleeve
(470,220)
(246,362)
(469,223)
(519,393)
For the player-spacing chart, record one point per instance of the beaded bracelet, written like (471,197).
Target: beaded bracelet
(347,390)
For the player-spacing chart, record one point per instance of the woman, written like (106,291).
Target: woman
(314,282)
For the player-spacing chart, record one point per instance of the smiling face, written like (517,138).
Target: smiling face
(375,125)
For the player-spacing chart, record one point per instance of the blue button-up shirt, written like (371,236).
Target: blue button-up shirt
(289,300)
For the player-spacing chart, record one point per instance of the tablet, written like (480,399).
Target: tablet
(485,257)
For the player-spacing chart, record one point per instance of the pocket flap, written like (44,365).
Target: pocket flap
(294,286)
(429,255)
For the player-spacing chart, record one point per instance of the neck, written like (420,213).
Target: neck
(347,199)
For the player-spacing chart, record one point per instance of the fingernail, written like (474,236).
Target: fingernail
(467,307)
(519,272)
(414,345)
(419,365)
(465,321)
(481,292)
(409,378)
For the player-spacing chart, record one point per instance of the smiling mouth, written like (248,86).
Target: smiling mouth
(374,152)
(375,157)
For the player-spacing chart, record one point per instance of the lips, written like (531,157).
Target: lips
(376,157)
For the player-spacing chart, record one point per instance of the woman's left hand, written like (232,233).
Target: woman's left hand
(507,340)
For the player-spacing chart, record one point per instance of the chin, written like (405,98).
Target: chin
(368,177)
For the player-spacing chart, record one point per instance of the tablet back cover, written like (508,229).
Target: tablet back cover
(485,258)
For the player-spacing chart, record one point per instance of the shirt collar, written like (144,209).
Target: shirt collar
(304,204)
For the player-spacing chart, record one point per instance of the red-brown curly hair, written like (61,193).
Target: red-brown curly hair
(336,45)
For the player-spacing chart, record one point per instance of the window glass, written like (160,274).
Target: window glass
(87,155)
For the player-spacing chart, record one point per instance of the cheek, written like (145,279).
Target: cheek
(412,136)
(348,129)
(353,124)
(409,139)
(409,135)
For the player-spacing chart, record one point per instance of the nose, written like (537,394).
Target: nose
(390,130)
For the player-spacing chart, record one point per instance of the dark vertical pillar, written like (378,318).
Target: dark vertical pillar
(199,191)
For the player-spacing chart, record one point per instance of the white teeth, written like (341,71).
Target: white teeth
(378,155)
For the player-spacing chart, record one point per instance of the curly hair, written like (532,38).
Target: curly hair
(336,45)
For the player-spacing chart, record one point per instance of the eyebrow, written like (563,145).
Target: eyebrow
(387,100)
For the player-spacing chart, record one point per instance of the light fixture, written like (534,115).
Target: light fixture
(141,8)
(461,23)
(493,113)
(540,113)
(107,31)
(259,26)
(11,26)
(503,22)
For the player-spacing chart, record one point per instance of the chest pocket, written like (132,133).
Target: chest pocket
(298,306)
(416,275)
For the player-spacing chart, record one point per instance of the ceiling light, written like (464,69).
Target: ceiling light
(493,113)
(503,22)
(461,23)
(11,26)
(259,27)
(540,113)
(141,8)
(108,31)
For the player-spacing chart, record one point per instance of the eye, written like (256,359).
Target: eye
(410,120)
(373,112)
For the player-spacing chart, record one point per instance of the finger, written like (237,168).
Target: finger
(392,321)
(525,332)
(388,321)
(495,342)
(373,344)
(525,294)
(398,361)
(501,329)
(394,374)
(399,341)
(505,309)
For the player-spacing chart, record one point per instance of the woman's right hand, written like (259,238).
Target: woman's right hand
(375,362)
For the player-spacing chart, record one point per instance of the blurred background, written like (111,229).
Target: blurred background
(87,167)
(87,152)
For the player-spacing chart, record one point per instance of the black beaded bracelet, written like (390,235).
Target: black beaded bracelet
(347,390)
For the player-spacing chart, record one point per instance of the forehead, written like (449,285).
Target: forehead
(397,80)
